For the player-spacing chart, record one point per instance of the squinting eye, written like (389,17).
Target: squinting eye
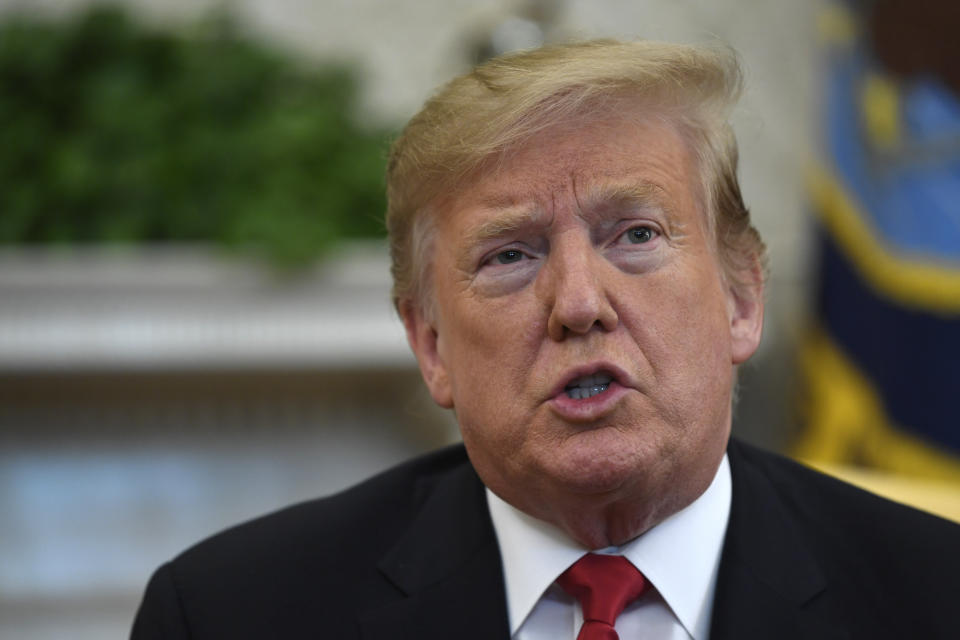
(639,235)
(508,256)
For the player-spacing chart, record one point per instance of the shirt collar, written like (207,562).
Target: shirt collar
(680,556)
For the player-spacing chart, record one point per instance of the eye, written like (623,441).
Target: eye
(639,235)
(509,256)
(509,259)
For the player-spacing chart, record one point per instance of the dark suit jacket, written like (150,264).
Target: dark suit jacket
(411,553)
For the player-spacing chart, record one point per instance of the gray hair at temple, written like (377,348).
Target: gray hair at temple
(486,113)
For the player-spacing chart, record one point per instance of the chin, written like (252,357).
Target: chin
(595,464)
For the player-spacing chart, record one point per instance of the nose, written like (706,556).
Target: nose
(574,289)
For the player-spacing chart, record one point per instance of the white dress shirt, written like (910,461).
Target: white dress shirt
(680,558)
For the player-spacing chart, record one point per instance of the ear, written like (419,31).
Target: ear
(746,313)
(423,339)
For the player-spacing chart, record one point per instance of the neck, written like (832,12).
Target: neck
(596,521)
(610,525)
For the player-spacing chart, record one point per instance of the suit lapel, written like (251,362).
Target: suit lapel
(448,568)
(769,584)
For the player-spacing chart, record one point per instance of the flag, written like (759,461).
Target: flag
(881,363)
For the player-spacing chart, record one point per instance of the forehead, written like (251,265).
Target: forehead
(585,164)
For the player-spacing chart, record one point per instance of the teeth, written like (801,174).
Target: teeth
(588,386)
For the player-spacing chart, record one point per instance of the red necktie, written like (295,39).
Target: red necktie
(604,585)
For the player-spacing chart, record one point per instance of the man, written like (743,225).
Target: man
(579,280)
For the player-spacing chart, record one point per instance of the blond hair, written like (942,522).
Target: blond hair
(504,102)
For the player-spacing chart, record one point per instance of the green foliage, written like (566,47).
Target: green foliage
(113,132)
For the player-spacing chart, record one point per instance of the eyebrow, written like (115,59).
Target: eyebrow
(638,195)
(510,216)
(642,194)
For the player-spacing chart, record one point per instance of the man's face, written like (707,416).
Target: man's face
(582,329)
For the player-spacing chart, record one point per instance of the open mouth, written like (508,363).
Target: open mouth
(588,386)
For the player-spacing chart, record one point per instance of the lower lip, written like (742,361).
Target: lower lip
(588,409)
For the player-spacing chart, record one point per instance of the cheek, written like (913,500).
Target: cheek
(704,303)
(684,333)
(708,369)
(493,328)
(489,349)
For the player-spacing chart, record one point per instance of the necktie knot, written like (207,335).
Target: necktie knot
(604,586)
